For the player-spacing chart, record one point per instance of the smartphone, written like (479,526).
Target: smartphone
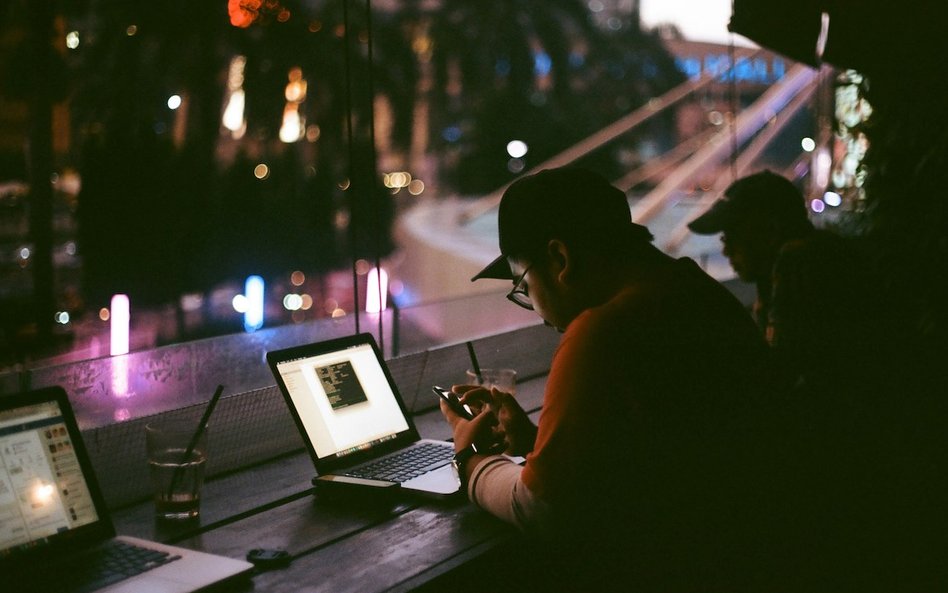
(462,410)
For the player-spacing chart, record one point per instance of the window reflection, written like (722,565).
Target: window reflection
(193,150)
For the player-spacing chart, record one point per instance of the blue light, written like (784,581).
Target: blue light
(253,317)
(542,64)
(451,134)
(691,67)
(760,72)
(405,298)
(742,70)
(754,71)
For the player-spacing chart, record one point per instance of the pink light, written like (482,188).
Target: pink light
(120,377)
(373,291)
(120,316)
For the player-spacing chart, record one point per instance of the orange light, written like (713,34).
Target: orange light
(243,13)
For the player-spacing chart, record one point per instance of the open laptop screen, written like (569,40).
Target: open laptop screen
(343,399)
(43,493)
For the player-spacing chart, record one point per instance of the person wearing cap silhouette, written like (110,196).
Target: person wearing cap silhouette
(815,289)
(757,217)
(641,447)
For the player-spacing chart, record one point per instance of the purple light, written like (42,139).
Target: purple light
(119,316)
(120,388)
(817,205)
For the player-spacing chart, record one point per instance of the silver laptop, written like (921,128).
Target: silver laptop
(354,422)
(55,530)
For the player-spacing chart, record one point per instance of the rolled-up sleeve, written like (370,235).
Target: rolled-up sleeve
(496,487)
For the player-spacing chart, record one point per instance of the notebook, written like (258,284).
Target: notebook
(55,529)
(354,422)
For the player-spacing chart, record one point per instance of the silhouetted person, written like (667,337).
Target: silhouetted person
(757,216)
(813,288)
(864,445)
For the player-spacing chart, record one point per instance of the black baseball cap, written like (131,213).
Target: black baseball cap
(758,197)
(562,203)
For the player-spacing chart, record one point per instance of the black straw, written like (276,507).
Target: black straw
(477,367)
(202,426)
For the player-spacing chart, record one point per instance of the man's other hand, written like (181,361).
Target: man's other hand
(514,431)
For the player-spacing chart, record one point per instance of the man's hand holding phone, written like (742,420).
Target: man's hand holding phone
(511,431)
(462,410)
(470,422)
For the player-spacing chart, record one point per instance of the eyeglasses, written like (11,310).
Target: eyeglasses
(518,295)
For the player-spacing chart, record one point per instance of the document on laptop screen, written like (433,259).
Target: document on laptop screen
(343,399)
(42,489)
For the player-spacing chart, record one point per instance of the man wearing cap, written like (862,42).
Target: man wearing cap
(641,451)
(814,288)
(758,215)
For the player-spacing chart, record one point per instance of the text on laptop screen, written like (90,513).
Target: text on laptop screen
(42,489)
(343,399)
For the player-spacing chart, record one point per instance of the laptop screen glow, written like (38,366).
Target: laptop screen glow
(42,489)
(344,400)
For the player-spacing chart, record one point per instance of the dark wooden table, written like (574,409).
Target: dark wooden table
(395,545)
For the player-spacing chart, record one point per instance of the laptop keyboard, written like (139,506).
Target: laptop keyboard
(405,465)
(111,563)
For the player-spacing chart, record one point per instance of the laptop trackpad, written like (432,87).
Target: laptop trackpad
(443,480)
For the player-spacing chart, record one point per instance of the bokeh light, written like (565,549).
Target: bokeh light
(239,303)
(832,199)
(292,302)
(121,317)
(515,165)
(376,291)
(254,289)
(517,149)
(416,187)
(397,179)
